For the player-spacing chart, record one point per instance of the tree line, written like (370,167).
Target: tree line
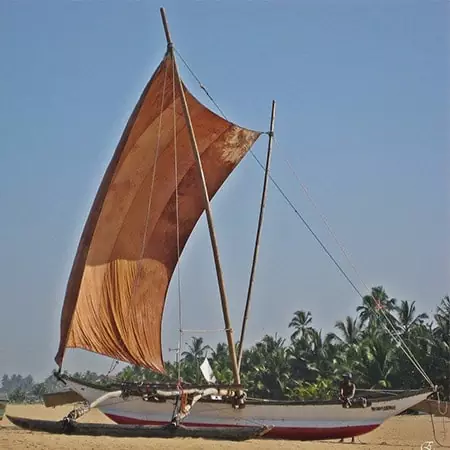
(309,364)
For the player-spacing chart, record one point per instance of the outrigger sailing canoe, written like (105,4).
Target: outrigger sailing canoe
(297,420)
(174,155)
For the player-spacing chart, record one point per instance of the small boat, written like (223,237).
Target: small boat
(174,155)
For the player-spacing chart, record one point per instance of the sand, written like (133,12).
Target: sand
(398,433)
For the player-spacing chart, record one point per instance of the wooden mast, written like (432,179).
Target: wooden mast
(258,233)
(212,234)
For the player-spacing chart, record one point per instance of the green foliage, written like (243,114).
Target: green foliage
(311,363)
(17,396)
(25,390)
(321,389)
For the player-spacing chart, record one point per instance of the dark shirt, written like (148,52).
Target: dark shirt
(347,389)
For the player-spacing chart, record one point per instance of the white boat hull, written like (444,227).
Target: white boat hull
(289,421)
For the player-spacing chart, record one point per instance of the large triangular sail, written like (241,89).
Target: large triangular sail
(128,250)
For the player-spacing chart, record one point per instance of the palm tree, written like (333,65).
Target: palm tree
(444,307)
(348,345)
(273,371)
(299,355)
(375,306)
(221,363)
(39,390)
(421,343)
(406,316)
(442,318)
(375,365)
(126,374)
(309,365)
(323,353)
(221,352)
(139,373)
(350,329)
(196,351)
(301,324)
(441,347)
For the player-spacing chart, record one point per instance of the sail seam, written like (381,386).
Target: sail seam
(144,238)
(137,191)
(161,153)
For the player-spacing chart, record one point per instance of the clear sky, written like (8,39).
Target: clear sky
(363,97)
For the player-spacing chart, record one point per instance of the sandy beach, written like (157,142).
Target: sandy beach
(399,433)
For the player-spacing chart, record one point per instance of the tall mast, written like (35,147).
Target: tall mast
(258,233)
(212,234)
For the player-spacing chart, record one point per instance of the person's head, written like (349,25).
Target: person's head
(347,377)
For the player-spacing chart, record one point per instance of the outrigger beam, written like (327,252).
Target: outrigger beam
(86,407)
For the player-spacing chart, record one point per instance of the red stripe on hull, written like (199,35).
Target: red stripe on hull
(291,433)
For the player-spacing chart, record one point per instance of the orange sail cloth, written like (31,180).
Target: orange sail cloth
(128,250)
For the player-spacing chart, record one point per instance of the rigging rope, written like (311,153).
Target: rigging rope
(379,310)
(393,333)
(434,432)
(200,84)
(341,270)
(205,331)
(114,364)
(149,204)
(442,412)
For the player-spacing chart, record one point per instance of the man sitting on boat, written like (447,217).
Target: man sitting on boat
(347,390)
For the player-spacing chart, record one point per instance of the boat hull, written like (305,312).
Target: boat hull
(289,420)
(297,432)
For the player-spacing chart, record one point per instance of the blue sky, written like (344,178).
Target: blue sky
(363,97)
